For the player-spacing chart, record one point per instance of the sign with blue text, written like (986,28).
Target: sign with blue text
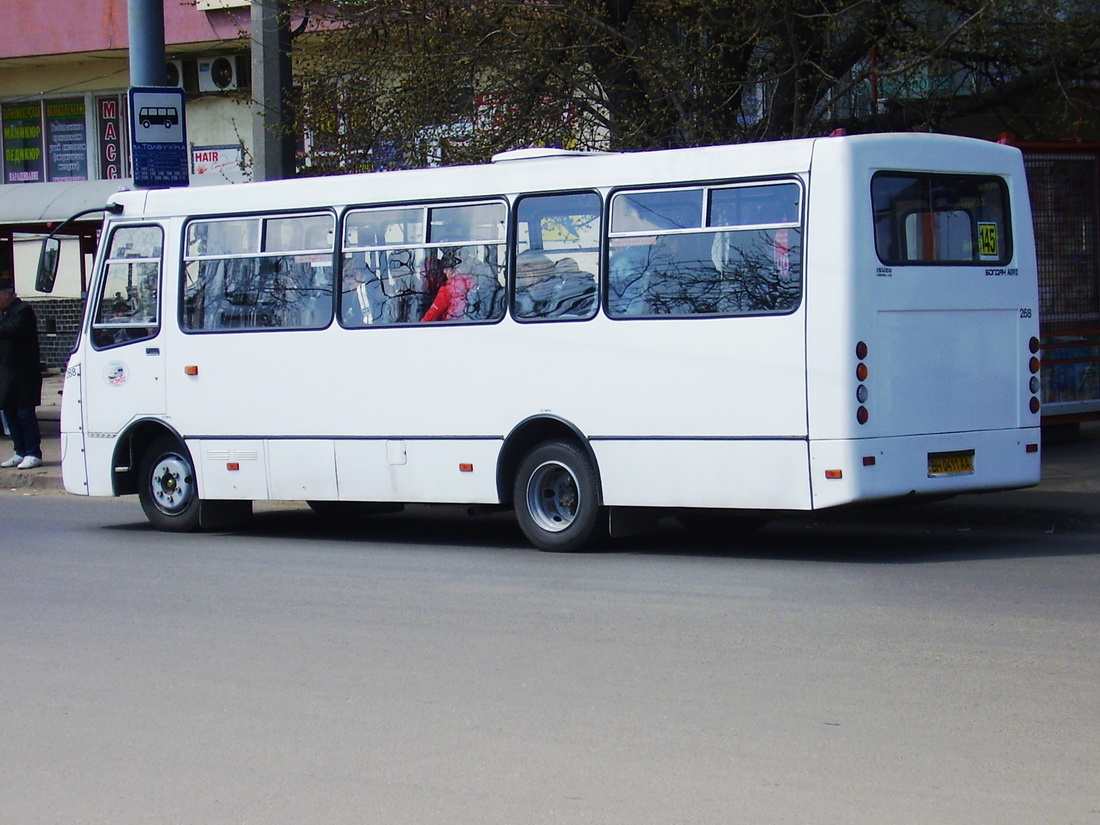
(158,132)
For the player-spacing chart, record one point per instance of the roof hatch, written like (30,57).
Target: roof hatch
(539,152)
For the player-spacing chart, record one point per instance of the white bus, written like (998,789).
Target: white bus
(591,339)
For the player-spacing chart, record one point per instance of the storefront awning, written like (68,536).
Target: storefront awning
(33,207)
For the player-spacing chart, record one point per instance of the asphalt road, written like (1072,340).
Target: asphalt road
(437,670)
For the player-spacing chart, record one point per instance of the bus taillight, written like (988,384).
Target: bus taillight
(862,393)
(1033,366)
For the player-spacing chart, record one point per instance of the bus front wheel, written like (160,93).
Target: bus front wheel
(167,490)
(556,498)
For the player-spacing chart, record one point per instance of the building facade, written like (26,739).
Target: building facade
(64,77)
(64,125)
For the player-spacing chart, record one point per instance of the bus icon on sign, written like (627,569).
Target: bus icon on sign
(166,116)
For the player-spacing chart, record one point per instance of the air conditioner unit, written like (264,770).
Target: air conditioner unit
(174,71)
(182,74)
(218,74)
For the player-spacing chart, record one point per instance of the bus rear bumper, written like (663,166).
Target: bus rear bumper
(846,471)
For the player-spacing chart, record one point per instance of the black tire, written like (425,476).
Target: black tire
(556,498)
(167,487)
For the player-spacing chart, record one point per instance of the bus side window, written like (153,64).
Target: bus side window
(744,258)
(557,257)
(259,273)
(468,240)
(415,264)
(647,261)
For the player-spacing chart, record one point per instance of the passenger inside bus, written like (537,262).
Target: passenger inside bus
(549,289)
(575,293)
(680,279)
(449,303)
(536,284)
(486,300)
(432,279)
(373,293)
(631,257)
(353,274)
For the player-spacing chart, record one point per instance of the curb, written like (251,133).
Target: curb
(46,478)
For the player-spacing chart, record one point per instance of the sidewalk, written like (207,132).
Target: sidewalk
(47,478)
(1067,498)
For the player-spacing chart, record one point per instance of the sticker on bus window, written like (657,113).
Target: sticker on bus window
(988,245)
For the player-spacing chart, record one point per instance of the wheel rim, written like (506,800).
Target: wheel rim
(172,484)
(553,496)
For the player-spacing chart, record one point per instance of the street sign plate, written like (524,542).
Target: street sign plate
(158,137)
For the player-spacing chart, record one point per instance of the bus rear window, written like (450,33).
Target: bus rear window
(705,251)
(940,219)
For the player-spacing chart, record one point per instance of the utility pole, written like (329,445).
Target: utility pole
(158,152)
(272,137)
(145,19)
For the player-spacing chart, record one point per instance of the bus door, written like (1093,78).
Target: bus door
(123,369)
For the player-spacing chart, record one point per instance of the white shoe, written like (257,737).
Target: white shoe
(29,463)
(12,462)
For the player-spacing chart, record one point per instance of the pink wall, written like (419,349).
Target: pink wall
(44,27)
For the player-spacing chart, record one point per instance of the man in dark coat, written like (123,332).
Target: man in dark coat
(20,377)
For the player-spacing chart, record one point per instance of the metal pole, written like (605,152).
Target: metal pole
(145,19)
(272,137)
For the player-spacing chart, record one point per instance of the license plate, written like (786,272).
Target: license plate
(951,464)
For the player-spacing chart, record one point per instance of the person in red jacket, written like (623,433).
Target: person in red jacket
(450,301)
(20,377)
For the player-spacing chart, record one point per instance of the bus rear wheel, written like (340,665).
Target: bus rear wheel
(167,488)
(556,498)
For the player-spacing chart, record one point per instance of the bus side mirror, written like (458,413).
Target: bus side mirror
(48,259)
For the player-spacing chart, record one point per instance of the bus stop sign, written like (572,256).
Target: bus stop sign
(158,137)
